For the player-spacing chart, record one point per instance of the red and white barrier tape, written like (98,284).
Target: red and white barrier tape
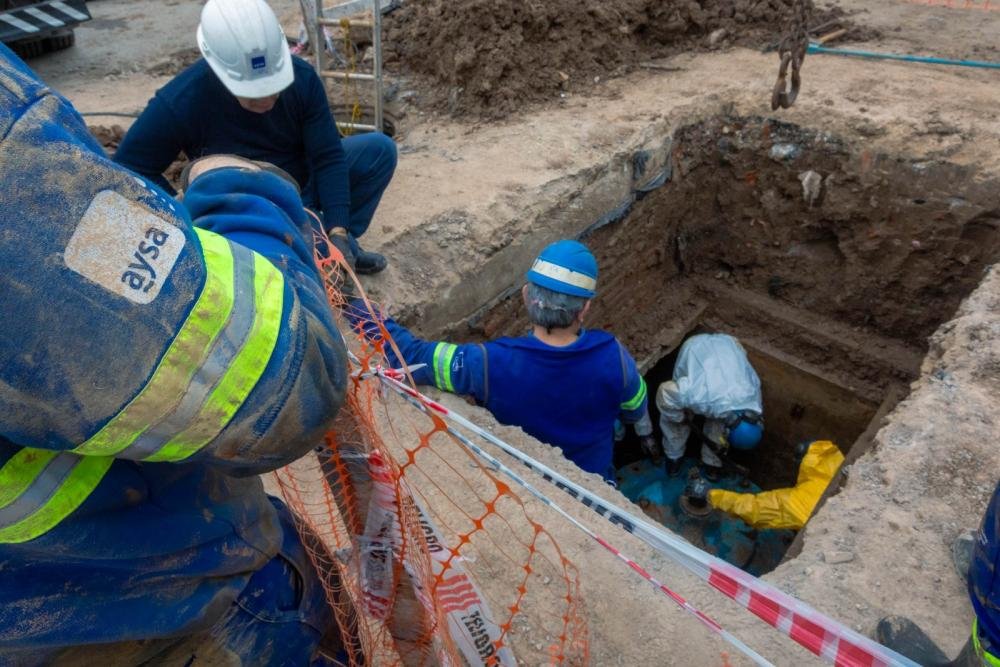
(824,636)
(711,624)
(469,621)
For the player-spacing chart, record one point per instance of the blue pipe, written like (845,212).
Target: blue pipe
(816,48)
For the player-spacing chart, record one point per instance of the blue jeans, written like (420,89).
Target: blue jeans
(277,620)
(282,614)
(371,162)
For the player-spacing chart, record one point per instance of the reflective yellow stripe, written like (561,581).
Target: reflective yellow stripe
(443,354)
(18,473)
(987,657)
(81,481)
(636,401)
(186,353)
(244,372)
(40,488)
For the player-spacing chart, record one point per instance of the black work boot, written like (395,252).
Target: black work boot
(904,636)
(366,262)
(674,467)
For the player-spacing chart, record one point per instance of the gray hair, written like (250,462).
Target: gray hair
(553,310)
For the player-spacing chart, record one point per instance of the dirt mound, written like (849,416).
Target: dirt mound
(111,137)
(108,137)
(175,63)
(490,57)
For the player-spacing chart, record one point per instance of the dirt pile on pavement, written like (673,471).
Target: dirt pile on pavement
(489,57)
(111,137)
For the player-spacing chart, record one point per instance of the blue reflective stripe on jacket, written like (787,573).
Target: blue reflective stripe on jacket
(162,548)
(984,582)
(568,397)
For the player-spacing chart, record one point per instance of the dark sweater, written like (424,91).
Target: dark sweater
(195,113)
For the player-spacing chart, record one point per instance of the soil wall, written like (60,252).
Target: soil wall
(844,259)
(490,58)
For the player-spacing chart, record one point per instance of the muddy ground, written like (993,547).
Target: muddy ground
(472,202)
(495,58)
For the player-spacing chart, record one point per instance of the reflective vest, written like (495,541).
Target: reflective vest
(205,375)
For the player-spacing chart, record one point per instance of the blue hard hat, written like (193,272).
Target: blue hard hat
(567,267)
(746,434)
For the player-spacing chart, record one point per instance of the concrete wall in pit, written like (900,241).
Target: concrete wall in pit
(928,477)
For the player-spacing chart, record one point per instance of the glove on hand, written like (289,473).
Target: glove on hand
(339,240)
(697,488)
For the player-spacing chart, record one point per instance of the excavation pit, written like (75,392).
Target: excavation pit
(799,407)
(830,263)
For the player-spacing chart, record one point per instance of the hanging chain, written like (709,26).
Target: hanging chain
(792,51)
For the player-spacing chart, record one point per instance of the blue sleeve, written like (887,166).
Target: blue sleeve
(634,396)
(258,210)
(304,382)
(141,336)
(152,143)
(327,160)
(459,369)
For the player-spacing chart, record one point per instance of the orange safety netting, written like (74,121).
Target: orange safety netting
(427,556)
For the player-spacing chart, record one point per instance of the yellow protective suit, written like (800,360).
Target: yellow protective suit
(785,508)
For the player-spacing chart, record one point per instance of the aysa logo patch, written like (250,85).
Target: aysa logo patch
(258,63)
(124,247)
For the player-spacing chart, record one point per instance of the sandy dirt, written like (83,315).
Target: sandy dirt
(472,202)
(494,58)
(128,50)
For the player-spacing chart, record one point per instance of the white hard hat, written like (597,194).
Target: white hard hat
(245,47)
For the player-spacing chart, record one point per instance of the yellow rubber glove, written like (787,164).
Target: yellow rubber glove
(785,508)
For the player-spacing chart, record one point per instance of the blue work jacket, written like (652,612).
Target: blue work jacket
(150,368)
(564,396)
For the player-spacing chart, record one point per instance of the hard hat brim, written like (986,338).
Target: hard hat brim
(264,86)
(558,285)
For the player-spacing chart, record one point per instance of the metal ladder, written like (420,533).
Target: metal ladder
(320,18)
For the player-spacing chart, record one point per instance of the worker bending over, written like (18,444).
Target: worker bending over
(156,368)
(983,648)
(250,97)
(712,378)
(562,384)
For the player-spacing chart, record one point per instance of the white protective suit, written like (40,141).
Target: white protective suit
(713,378)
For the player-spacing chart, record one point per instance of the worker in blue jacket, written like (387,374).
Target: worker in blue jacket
(250,97)
(983,647)
(156,359)
(562,384)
